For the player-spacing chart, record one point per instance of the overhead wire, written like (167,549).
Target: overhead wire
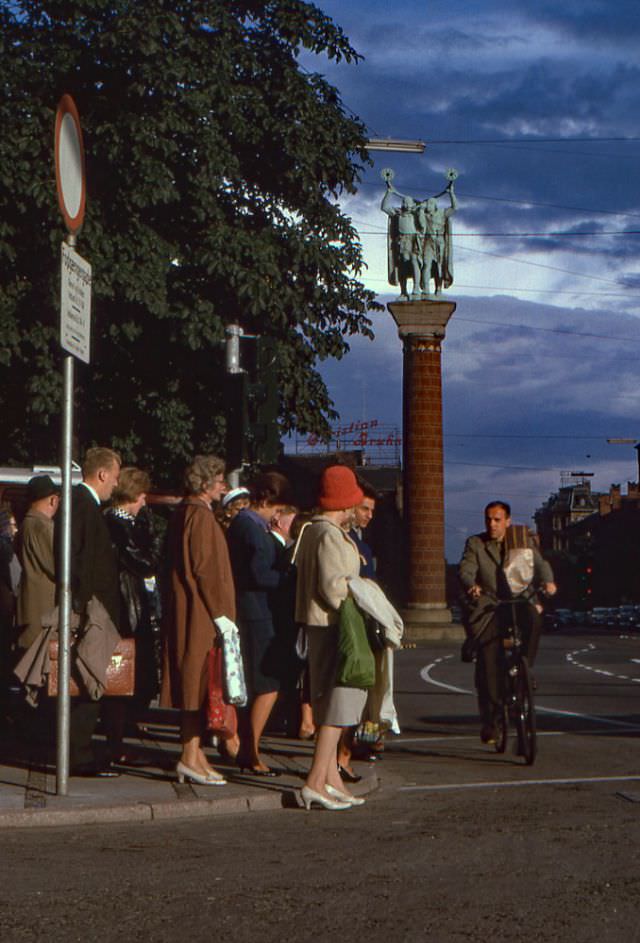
(521,202)
(565,140)
(506,289)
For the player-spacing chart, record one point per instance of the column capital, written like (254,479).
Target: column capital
(426,318)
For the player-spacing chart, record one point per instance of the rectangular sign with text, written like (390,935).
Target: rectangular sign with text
(75,304)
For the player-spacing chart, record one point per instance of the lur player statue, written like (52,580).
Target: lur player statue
(419,240)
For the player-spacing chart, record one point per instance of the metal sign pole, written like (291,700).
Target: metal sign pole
(232,355)
(64,599)
(75,324)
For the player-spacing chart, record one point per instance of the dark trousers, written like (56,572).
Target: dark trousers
(82,724)
(487,677)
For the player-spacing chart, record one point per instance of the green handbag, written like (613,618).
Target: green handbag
(356,664)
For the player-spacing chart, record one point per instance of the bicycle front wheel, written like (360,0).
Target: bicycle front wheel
(525,714)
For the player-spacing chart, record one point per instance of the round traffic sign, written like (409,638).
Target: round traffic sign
(70,173)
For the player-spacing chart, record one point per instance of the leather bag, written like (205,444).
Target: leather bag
(120,673)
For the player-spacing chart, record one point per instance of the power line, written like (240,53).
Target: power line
(550,206)
(514,467)
(521,202)
(508,258)
(551,268)
(599,140)
(551,330)
(574,292)
(550,232)
(552,435)
(504,289)
(558,150)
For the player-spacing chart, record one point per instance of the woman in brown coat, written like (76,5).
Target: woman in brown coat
(200,590)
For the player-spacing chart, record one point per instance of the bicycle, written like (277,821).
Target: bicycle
(516,687)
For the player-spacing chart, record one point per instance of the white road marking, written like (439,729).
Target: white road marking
(571,658)
(521,782)
(445,739)
(425,674)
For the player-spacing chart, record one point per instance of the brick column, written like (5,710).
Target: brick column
(422,325)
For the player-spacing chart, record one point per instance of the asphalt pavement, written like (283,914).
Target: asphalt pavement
(588,698)
(151,792)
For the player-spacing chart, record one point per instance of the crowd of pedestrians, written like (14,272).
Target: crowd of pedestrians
(249,557)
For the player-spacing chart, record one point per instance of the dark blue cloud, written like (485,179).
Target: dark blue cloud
(530,389)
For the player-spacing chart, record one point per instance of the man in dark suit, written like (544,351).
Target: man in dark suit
(483,579)
(94,572)
(362,517)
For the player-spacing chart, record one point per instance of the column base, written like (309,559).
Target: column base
(432,624)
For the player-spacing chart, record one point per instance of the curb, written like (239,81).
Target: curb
(161,811)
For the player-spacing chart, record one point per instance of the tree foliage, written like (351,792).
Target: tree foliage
(213,166)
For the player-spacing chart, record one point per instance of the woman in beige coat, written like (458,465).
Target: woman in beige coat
(327,559)
(200,590)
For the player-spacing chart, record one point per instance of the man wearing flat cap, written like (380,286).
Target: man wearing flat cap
(35,550)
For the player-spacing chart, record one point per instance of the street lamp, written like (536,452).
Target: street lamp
(395,144)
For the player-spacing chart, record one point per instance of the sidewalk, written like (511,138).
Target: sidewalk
(152,792)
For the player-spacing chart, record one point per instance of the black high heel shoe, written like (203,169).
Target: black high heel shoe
(347,776)
(246,767)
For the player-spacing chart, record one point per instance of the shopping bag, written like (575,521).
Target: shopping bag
(356,664)
(234,684)
(222,719)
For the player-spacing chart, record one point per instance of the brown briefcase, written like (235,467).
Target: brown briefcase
(120,673)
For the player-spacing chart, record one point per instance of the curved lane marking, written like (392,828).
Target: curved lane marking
(425,674)
(590,649)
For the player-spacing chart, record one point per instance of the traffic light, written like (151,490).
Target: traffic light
(264,404)
(585,581)
(251,403)
(236,413)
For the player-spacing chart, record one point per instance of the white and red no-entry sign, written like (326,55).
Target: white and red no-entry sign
(70,172)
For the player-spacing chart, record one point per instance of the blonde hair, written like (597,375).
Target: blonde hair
(97,458)
(131,484)
(202,472)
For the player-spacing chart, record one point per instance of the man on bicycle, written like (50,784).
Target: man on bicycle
(484,581)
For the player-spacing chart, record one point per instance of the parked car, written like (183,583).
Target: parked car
(600,616)
(564,617)
(627,617)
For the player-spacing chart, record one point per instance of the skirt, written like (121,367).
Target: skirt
(262,668)
(332,705)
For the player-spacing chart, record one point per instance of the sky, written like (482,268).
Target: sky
(536,106)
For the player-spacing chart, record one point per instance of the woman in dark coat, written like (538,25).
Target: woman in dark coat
(200,589)
(256,575)
(133,542)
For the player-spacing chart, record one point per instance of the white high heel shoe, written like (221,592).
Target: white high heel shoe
(203,779)
(310,796)
(342,796)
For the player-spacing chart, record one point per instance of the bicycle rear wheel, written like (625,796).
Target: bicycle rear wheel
(525,714)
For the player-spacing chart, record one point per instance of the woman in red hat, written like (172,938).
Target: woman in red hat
(327,559)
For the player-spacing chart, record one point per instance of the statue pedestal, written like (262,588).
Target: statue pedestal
(422,327)
(422,625)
